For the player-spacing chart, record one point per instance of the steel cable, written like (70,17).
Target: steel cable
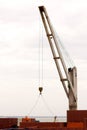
(47,106)
(34,106)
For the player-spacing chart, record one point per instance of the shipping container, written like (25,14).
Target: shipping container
(76,115)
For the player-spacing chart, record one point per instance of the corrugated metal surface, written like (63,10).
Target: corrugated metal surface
(43,124)
(7,122)
(85,123)
(27,124)
(50,129)
(76,115)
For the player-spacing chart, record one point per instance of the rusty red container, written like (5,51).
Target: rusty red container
(7,122)
(76,115)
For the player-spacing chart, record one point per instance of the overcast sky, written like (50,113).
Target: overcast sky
(20,37)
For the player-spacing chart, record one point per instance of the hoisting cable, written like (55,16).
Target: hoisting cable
(41,68)
(40,64)
(41,74)
(47,106)
(40,54)
(44,101)
(34,106)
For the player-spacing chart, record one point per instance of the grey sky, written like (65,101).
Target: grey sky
(19,45)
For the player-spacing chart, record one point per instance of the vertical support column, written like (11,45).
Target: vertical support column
(73,77)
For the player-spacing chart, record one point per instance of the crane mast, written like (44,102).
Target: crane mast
(69,78)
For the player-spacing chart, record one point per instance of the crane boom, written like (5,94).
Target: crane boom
(69,79)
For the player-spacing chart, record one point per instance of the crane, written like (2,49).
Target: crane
(68,76)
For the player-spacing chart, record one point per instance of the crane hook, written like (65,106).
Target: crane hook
(40,90)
